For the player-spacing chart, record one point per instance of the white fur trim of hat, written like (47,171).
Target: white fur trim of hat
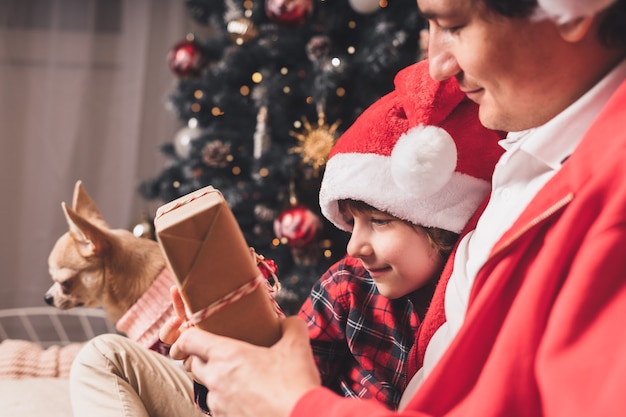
(419,154)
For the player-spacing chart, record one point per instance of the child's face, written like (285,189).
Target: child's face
(399,257)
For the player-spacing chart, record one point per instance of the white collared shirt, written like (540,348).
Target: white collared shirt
(531,158)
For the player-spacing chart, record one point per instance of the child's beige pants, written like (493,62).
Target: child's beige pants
(114,376)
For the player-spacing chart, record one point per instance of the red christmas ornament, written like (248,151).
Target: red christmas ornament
(298,225)
(289,12)
(187,59)
(267,267)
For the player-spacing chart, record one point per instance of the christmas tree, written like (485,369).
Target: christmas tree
(262,97)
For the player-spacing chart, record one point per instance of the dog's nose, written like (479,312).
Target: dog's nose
(48,299)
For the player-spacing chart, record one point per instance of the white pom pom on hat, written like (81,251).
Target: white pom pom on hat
(418,153)
(423,160)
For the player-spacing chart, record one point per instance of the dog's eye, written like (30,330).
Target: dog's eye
(66,286)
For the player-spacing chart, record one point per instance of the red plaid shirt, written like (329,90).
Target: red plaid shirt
(360,339)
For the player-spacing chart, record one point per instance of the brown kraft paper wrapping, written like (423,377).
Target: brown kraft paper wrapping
(209,258)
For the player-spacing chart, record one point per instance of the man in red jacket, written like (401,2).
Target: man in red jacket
(527,318)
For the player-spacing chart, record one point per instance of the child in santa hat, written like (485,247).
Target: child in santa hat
(404,180)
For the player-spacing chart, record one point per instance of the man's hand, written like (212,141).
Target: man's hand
(246,380)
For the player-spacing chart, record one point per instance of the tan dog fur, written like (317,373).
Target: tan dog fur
(93,265)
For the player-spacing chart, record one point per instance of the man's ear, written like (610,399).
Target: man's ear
(576,29)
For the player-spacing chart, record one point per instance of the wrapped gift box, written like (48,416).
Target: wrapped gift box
(210,259)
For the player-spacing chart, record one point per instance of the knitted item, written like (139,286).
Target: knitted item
(143,321)
(25,359)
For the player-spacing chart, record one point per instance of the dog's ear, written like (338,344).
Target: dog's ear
(90,239)
(84,205)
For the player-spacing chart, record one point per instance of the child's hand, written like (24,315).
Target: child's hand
(173,327)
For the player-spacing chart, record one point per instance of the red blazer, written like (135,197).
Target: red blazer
(544,332)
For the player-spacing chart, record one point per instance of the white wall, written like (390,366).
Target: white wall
(77,104)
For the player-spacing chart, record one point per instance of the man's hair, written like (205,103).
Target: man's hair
(612,30)
(442,241)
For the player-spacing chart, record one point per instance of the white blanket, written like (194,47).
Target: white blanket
(35,397)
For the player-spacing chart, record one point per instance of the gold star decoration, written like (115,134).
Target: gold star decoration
(315,142)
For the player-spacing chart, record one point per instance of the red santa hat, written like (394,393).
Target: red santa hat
(419,153)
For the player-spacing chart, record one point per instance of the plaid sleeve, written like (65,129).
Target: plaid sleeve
(326,313)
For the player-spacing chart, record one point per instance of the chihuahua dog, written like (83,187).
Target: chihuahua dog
(93,265)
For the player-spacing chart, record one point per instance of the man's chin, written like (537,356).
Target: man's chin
(488,118)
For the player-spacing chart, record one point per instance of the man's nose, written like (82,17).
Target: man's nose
(442,63)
